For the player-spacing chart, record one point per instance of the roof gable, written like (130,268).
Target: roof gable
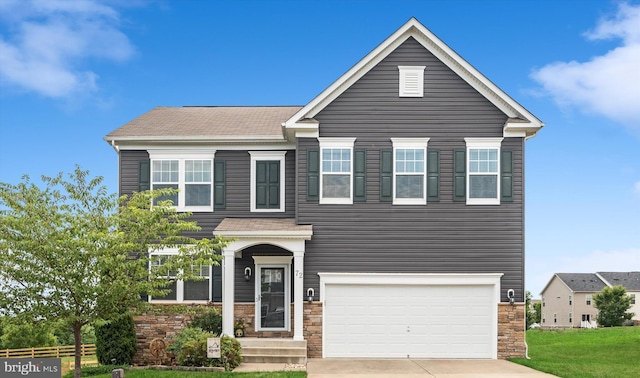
(521,122)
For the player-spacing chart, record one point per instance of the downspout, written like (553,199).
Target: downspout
(113,144)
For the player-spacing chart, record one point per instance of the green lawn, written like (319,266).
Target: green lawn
(136,373)
(583,353)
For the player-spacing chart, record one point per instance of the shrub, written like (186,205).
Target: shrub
(116,341)
(231,352)
(209,321)
(190,348)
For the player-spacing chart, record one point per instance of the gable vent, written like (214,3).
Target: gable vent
(411,82)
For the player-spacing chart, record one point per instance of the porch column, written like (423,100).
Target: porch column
(298,294)
(228,287)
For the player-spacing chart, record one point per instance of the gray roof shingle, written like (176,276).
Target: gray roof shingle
(630,280)
(215,122)
(582,281)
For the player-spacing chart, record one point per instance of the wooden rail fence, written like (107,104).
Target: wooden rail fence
(88,350)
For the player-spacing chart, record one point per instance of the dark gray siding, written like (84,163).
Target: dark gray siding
(441,237)
(237,187)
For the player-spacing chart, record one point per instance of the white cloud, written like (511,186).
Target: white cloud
(637,187)
(609,84)
(540,271)
(46,43)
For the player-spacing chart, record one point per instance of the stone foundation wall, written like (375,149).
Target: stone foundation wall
(312,329)
(511,330)
(151,326)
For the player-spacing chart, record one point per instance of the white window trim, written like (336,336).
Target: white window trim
(261,156)
(179,283)
(412,143)
(346,143)
(474,143)
(404,71)
(181,157)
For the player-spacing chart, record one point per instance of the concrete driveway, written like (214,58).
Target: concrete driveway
(407,368)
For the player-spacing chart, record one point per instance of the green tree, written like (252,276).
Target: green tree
(70,251)
(16,335)
(612,304)
(530,315)
(537,317)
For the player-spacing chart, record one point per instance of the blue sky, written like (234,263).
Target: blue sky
(72,71)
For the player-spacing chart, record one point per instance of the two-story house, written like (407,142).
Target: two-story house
(385,218)
(567,299)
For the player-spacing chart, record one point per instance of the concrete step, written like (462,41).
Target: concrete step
(263,350)
(265,342)
(267,351)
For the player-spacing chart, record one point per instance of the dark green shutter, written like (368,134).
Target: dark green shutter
(267,184)
(216,283)
(219,184)
(459,175)
(359,175)
(262,185)
(433,175)
(144,175)
(274,184)
(506,175)
(313,174)
(386,175)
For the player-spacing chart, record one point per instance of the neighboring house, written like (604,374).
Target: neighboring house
(567,300)
(385,218)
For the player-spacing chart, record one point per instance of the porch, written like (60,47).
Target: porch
(269,278)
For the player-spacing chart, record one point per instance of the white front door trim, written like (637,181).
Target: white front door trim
(273,262)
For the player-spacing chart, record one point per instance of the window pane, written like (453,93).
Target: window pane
(336,186)
(409,186)
(483,186)
(171,296)
(197,195)
(173,198)
(165,171)
(483,160)
(336,160)
(197,170)
(196,290)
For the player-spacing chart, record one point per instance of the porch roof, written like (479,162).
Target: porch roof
(263,228)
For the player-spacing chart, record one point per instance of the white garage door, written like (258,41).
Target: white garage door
(409,320)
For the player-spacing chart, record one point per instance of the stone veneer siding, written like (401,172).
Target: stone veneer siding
(150,326)
(165,326)
(511,330)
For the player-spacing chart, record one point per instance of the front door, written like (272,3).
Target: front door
(272,297)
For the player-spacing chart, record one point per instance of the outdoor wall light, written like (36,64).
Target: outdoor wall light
(247,273)
(310,293)
(511,294)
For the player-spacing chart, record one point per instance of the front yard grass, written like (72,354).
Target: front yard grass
(149,373)
(583,353)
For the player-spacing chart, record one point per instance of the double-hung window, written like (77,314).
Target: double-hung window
(267,181)
(336,170)
(409,171)
(191,174)
(179,290)
(483,171)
